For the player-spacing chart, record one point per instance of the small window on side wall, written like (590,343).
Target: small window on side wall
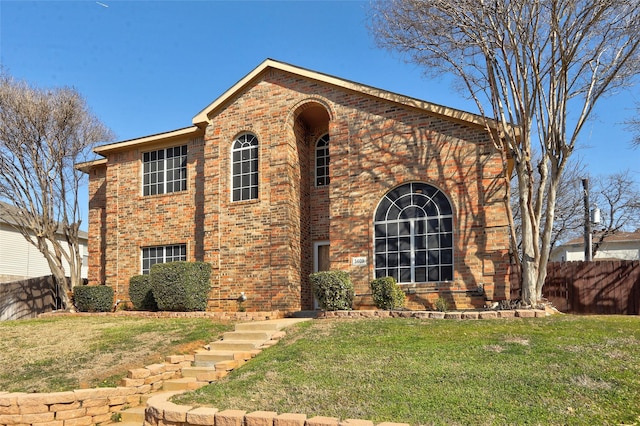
(244,168)
(322,161)
(162,254)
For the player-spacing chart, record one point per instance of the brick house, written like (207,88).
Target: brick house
(292,171)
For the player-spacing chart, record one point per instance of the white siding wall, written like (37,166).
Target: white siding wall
(21,259)
(628,250)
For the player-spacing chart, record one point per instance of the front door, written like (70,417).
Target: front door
(320,261)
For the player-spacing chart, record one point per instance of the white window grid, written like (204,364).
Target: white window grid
(244,168)
(322,161)
(413,231)
(164,171)
(162,254)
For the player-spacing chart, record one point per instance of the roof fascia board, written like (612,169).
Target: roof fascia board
(147,140)
(88,165)
(202,117)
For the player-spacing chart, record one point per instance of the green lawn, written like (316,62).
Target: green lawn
(558,370)
(65,353)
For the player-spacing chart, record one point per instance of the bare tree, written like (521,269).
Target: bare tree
(43,133)
(618,197)
(633,125)
(569,209)
(535,69)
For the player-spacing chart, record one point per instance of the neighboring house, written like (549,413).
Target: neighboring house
(291,171)
(621,245)
(20,259)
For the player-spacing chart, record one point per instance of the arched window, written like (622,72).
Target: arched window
(414,235)
(244,168)
(322,161)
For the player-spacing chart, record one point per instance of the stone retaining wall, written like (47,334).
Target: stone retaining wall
(86,407)
(161,412)
(459,315)
(222,316)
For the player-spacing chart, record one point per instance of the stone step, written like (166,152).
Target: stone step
(210,358)
(236,345)
(185,383)
(132,415)
(247,335)
(258,326)
(196,371)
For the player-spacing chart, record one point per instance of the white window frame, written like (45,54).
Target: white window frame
(322,154)
(165,166)
(164,257)
(245,183)
(406,242)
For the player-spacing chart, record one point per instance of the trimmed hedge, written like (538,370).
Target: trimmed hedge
(387,294)
(141,294)
(181,286)
(333,289)
(93,298)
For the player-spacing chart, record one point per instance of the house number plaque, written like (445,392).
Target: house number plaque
(359,261)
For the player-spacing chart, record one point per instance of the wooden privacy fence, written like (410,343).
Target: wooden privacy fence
(28,298)
(599,287)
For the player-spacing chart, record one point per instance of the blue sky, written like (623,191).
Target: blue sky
(146,67)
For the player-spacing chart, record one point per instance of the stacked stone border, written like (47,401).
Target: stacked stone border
(161,412)
(221,316)
(85,407)
(454,315)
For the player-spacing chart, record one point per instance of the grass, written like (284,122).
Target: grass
(65,353)
(559,370)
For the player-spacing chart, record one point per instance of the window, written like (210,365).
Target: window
(414,235)
(322,161)
(164,171)
(162,254)
(244,166)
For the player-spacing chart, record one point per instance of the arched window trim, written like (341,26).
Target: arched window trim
(245,167)
(322,160)
(413,234)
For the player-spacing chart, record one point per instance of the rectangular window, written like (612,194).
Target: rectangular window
(162,254)
(164,171)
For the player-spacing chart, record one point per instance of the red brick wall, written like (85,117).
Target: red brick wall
(264,247)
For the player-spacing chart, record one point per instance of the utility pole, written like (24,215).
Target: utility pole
(587,222)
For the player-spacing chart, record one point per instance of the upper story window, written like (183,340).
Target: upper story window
(322,161)
(162,254)
(414,235)
(244,168)
(164,170)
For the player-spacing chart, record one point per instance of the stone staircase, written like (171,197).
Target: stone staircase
(215,361)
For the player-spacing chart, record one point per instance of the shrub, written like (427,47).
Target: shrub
(441,304)
(333,289)
(181,286)
(93,298)
(387,294)
(140,293)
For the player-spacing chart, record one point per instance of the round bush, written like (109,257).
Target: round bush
(140,293)
(333,289)
(387,294)
(181,286)
(93,298)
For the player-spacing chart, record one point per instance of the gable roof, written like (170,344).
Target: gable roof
(200,121)
(201,118)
